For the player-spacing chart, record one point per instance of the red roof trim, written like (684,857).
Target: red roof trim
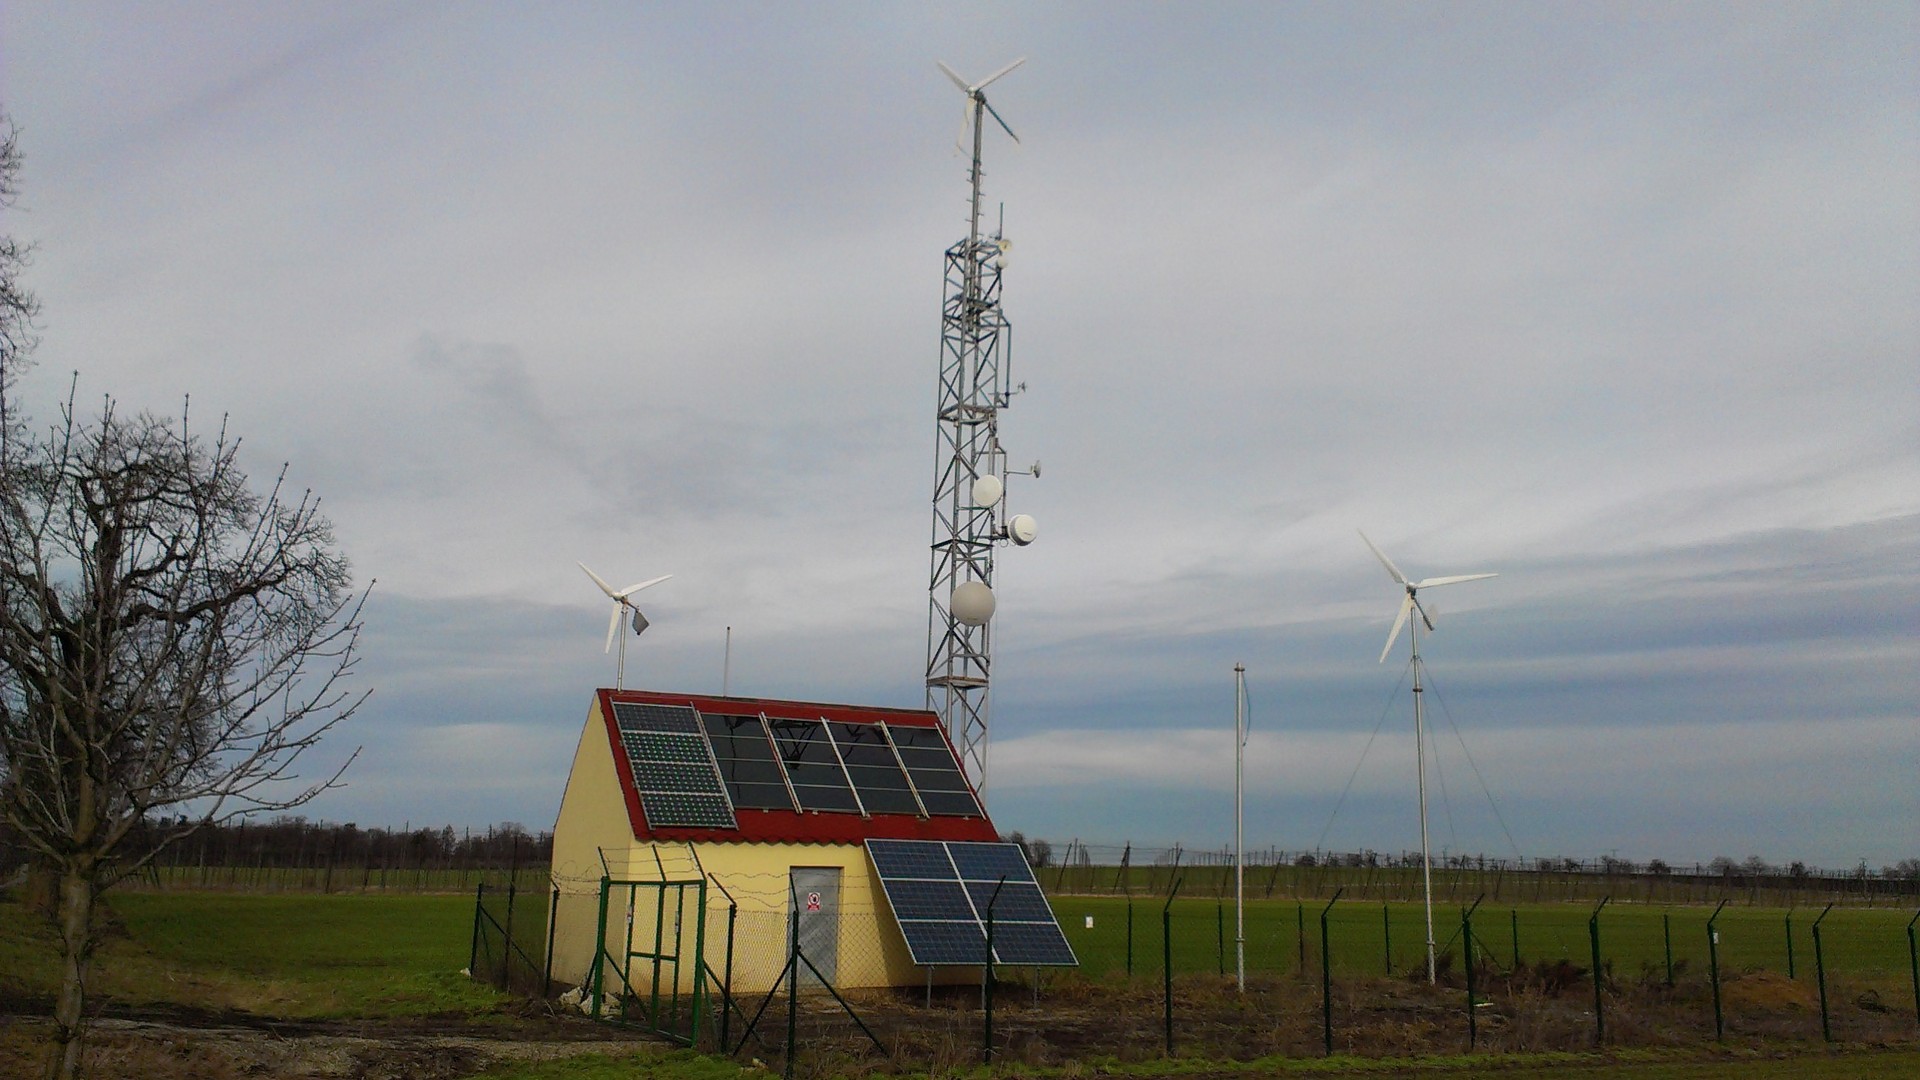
(786,826)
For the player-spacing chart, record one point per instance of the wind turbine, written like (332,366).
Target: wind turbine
(971,114)
(622,602)
(1410,605)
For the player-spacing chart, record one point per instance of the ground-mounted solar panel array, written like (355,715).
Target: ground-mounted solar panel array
(941,892)
(695,770)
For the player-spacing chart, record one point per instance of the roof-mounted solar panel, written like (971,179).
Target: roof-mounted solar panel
(672,767)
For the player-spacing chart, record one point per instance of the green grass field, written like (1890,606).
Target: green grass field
(1864,943)
(280,954)
(398,956)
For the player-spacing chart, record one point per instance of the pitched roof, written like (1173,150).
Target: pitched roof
(788,826)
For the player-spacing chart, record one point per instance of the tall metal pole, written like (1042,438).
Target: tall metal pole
(1239,821)
(1420,768)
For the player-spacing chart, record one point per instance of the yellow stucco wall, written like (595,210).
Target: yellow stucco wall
(593,825)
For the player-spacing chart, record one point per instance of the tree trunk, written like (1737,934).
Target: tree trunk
(76,956)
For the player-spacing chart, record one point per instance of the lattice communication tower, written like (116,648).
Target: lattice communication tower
(970,469)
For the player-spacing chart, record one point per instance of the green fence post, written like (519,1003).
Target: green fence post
(699,964)
(1466,939)
(506,951)
(1599,1004)
(1166,958)
(1513,921)
(600,948)
(1913,964)
(1326,973)
(1220,936)
(473,954)
(1386,935)
(793,978)
(1129,935)
(1666,935)
(1820,971)
(553,926)
(659,943)
(1790,973)
(1713,970)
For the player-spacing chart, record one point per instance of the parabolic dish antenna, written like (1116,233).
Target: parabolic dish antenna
(1022,529)
(972,603)
(987,490)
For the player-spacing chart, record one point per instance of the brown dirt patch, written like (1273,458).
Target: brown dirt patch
(1769,990)
(190,1045)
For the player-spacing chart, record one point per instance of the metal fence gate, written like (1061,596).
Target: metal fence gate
(649,963)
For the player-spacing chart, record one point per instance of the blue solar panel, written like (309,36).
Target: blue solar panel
(911,859)
(933,943)
(928,900)
(1017,902)
(990,862)
(942,916)
(1038,944)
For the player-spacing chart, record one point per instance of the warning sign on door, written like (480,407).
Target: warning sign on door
(813,901)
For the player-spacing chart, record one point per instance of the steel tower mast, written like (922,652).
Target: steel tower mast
(970,467)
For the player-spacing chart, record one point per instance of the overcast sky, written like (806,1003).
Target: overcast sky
(1619,301)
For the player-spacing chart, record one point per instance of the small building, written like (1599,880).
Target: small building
(732,821)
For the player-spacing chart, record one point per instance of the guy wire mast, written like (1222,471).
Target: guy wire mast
(970,468)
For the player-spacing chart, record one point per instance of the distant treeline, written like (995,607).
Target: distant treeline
(295,843)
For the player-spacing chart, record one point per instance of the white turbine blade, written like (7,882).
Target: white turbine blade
(1384,561)
(1002,123)
(613,626)
(1454,580)
(966,118)
(598,580)
(1406,606)
(647,584)
(957,80)
(982,84)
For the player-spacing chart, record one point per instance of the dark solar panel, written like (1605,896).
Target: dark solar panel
(941,916)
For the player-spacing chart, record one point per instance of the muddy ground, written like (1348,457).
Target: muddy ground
(1063,1022)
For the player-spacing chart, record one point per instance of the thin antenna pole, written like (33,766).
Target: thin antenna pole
(1420,756)
(726,666)
(1239,850)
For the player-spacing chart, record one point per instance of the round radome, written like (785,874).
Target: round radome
(987,490)
(972,603)
(1022,529)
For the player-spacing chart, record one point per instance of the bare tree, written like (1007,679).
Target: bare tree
(171,645)
(169,640)
(17,306)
